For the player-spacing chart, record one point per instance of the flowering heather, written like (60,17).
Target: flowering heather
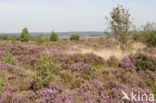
(127,63)
(69,78)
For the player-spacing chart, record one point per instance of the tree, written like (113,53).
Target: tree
(53,36)
(120,23)
(75,37)
(24,35)
(149,27)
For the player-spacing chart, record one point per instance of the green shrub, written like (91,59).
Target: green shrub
(10,59)
(151,39)
(2,80)
(40,39)
(45,73)
(101,40)
(136,36)
(82,39)
(75,37)
(53,37)
(153,87)
(24,35)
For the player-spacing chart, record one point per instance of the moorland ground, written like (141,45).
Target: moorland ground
(86,71)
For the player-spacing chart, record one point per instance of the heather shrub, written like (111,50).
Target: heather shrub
(24,35)
(91,71)
(113,62)
(83,59)
(66,77)
(45,72)
(10,59)
(2,80)
(75,37)
(144,62)
(153,87)
(139,62)
(127,63)
(53,36)
(149,78)
(8,97)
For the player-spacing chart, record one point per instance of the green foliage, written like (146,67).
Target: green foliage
(153,87)
(91,72)
(45,73)
(150,39)
(75,37)
(10,59)
(53,37)
(40,39)
(149,27)
(120,23)
(24,35)
(136,36)
(2,80)
(83,39)
(9,37)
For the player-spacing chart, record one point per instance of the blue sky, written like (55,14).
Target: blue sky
(68,15)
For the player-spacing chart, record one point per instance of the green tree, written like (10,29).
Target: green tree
(149,27)
(75,37)
(120,23)
(24,35)
(53,36)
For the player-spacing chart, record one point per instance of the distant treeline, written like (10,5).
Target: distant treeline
(35,35)
(16,37)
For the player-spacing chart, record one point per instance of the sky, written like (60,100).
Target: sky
(68,15)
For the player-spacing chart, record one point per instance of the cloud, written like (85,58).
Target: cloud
(6,7)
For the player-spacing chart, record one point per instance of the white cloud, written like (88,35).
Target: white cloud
(17,8)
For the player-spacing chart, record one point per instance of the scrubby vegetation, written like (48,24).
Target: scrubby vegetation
(32,73)
(53,36)
(90,70)
(75,37)
(24,37)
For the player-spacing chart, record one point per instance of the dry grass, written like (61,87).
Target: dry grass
(107,52)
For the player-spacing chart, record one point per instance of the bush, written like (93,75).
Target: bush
(139,62)
(24,35)
(127,63)
(75,37)
(53,37)
(136,36)
(144,62)
(151,39)
(40,39)
(2,80)
(10,59)
(113,62)
(45,73)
